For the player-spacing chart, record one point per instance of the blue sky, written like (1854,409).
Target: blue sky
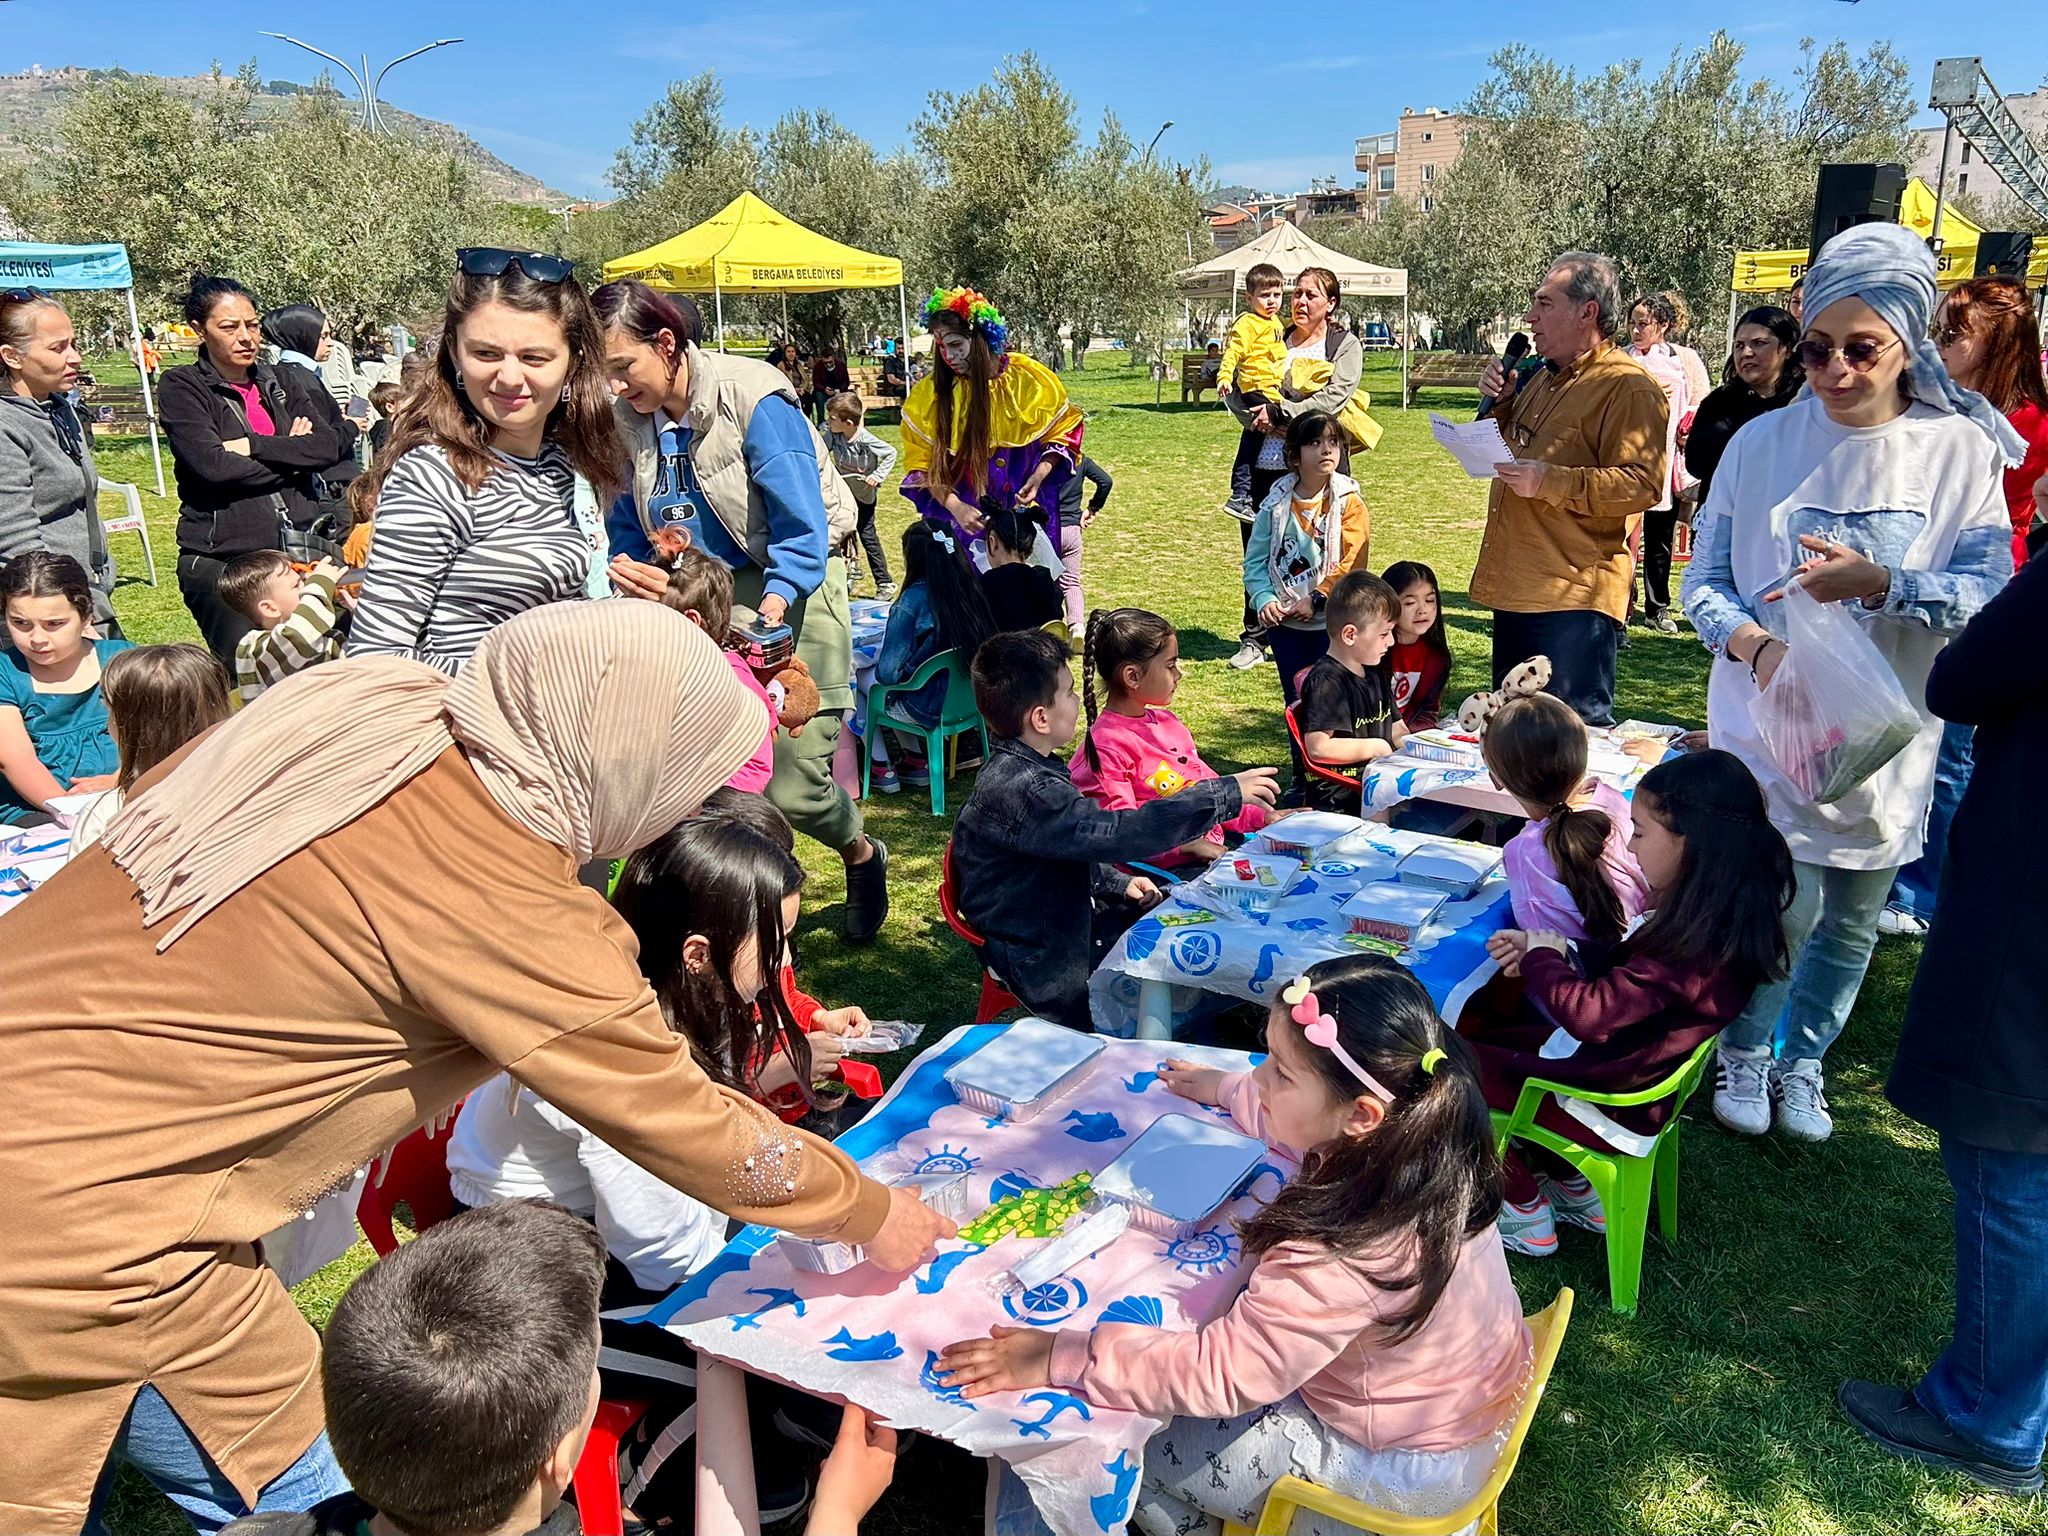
(555,88)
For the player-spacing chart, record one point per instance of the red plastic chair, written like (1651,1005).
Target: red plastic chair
(416,1171)
(995,997)
(1314,767)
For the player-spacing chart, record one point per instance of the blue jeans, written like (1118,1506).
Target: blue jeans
(1830,930)
(155,1441)
(1919,882)
(1991,1384)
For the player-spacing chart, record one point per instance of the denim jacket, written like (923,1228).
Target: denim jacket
(911,640)
(1029,852)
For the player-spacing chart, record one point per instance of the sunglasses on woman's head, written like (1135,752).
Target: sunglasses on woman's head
(1860,355)
(491,261)
(22,296)
(1948,335)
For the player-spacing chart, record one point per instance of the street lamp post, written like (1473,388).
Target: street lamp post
(1157,137)
(366,84)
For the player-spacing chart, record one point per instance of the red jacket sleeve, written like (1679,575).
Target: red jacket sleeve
(802,1006)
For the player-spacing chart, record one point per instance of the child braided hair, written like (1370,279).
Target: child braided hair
(1116,638)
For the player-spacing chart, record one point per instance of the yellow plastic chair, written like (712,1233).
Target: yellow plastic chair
(1546,1329)
(1623,1183)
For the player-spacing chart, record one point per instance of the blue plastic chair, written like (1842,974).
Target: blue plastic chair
(957,716)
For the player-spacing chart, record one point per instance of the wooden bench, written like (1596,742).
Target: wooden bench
(1446,370)
(115,410)
(866,381)
(1192,379)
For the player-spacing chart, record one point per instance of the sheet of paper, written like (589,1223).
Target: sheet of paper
(1477,445)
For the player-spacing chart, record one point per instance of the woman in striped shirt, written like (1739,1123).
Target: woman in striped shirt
(476,514)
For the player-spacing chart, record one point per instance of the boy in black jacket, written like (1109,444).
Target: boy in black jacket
(1032,855)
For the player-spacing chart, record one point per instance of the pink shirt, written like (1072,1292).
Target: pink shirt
(1540,900)
(1309,1321)
(260,424)
(1145,758)
(755,773)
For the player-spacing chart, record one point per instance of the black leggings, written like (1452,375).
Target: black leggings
(221,626)
(871,543)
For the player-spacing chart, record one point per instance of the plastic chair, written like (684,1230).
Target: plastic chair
(130,521)
(416,1171)
(1547,1330)
(1315,768)
(1622,1182)
(995,997)
(957,716)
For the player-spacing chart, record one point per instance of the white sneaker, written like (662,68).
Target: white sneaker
(1901,924)
(1802,1106)
(1742,1088)
(1248,656)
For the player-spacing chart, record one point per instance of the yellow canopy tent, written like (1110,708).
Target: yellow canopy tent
(1776,271)
(747,247)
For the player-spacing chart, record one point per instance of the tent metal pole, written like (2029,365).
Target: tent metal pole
(785,317)
(1729,350)
(156,451)
(1407,341)
(718,306)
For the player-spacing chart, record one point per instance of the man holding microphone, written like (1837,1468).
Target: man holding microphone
(1587,428)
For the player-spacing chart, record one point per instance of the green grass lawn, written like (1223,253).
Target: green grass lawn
(1711,1411)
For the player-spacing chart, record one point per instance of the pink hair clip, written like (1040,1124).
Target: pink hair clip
(1320,1029)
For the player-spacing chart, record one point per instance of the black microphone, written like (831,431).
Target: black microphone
(1518,348)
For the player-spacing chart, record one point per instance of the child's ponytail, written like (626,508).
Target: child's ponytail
(1422,1182)
(1537,749)
(1088,689)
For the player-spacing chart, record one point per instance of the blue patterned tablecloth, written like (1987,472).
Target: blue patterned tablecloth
(1202,954)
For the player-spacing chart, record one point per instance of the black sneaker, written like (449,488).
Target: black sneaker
(808,1420)
(1895,1421)
(867,894)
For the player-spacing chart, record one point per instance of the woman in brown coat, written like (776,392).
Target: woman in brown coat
(368,903)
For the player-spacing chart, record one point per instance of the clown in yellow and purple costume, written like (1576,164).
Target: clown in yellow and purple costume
(1033,431)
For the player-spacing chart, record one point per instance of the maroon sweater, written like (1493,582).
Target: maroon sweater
(1635,1018)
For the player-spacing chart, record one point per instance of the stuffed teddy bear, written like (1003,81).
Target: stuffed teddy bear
(1524,677)
(794,693)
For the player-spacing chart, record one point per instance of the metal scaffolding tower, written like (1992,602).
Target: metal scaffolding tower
(1964,94)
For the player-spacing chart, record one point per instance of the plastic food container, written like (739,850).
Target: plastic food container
(946,1193)
(1440,745)
(1456,869)
(1178,1172)
(1389,909)
(1021,1071)
(1307,835)
(1245,881)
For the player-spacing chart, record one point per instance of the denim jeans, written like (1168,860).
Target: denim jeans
(1830,931)
(1920,881)
(155,1441)
(1991,1384)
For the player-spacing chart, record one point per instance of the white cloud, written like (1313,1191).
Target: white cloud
(790,45)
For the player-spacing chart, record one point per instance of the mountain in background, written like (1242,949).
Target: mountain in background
(32,103)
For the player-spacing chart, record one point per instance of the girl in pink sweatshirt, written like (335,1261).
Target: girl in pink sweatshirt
(1379,1349)
(1136,749)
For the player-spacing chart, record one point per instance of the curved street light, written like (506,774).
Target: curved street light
(366,84)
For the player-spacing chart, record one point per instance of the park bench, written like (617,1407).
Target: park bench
(866,380)
(1192,378)
(116,410)
(1446,370)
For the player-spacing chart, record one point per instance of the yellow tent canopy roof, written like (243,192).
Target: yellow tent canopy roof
(1776,271)
(747,247)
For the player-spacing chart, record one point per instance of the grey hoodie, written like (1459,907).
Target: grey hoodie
(49,491)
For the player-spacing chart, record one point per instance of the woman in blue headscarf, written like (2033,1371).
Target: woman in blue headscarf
(1878,487)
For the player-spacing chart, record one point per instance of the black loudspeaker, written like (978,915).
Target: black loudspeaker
(2004,253)
(1849,195)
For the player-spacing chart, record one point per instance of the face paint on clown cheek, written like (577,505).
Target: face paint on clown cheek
(956,350)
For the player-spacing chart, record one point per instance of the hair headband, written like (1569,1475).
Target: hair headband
(1321,1029)
(972,308)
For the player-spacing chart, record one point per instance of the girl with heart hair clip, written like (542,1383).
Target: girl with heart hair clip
(1379,1348)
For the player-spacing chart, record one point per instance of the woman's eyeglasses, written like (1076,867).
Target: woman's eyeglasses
(1948,335)
(1860,355)
(490,261)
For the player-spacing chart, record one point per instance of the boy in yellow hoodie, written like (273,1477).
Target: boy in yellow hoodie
(1254,357)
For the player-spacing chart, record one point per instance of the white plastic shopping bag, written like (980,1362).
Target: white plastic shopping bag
(1834,713)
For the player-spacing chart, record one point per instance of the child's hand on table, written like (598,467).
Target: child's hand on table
(854,1476)
(1511,946)
(1143,891)
(851,1020)
(1197,1083)
(1008,1360)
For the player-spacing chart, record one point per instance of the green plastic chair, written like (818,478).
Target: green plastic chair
(957,716)
(1622,1182)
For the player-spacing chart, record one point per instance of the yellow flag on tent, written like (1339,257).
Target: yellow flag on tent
(748,247)
(1776,271)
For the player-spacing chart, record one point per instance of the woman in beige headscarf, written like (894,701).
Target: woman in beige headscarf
(357,901)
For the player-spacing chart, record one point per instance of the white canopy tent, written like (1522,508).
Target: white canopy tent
(1285,247)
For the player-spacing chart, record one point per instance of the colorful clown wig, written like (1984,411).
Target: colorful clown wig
(974,310)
